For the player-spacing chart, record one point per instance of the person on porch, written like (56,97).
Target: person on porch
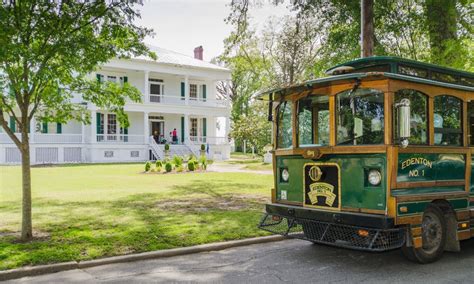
(156,136)
(175,136)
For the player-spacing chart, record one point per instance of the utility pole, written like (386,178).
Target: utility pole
(367,27)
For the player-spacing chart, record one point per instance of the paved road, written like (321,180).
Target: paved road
(291,261)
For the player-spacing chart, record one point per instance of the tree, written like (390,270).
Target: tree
(48,50)
(254,126)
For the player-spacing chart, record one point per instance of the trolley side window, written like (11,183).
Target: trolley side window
(313,121)
(470,119)
(418,117)
(360,117)
(447,120)
(285,128)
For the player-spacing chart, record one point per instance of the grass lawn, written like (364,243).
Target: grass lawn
(249,162)
(91,211)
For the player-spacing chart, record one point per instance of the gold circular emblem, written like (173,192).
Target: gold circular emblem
(315,173)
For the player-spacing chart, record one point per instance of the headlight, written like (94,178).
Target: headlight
(285,175)
(374,177)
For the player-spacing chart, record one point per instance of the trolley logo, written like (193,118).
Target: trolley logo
(321,189)
(315,173)
(417,161)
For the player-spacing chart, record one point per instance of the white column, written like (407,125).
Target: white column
(186,90)
(93,133)
(146,95)
(32,129)
(146,128)
(186,128)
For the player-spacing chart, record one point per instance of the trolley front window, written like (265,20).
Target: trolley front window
(360,117)
(313,121)
(285,128)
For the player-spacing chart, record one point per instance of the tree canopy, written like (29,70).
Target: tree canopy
(322,33)
(48,50)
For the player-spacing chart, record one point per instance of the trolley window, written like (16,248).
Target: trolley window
(313,121)
(447,120)
(285,128)
(418,116)
(360,117)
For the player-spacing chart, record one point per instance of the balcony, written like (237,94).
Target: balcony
(178,100)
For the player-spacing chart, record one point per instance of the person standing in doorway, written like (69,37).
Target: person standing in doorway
(175,136)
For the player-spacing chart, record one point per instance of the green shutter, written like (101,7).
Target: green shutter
(204,127)
(12,124)
(45,127)
(59,128)
(182,90)
(204,92)
(182,129)
(98,77)
(125,79)
(98,123)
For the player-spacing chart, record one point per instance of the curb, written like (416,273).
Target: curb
(53,268)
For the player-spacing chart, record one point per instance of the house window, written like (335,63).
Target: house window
(193,93)
(112,79)
(194,127)
(111,124)
(100,129)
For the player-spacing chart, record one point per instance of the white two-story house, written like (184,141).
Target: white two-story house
(178,95)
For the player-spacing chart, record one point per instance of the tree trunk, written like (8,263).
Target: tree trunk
(367,28)
(441,18)
(26,224)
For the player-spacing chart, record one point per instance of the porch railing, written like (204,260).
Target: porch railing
(45,138)
(208,140)
(119,138)
(208,102)
(163,99)
(58,138)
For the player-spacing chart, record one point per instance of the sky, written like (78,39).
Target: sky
(182,25)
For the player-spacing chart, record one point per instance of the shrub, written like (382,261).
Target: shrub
(158,169)
(177,160)
(191,157)
(191,165)
(203,147)
(167,147)
(168,167)
(147,166)
(179,168)
(203,162)
(210,162)
(158,164)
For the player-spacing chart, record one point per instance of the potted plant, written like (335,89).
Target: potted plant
(167,150)
(203,150)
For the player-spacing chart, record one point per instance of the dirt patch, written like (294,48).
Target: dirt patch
(227,203)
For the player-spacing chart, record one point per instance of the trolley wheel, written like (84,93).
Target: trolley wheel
(433,233)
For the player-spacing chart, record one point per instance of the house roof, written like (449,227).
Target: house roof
(166,56)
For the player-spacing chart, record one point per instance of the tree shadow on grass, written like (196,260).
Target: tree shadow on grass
(212,211)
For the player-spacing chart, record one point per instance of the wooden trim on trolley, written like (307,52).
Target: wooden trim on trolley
(463,215)
(434,183)
(416,231)
(409,220)
(430,90)
(432,196)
